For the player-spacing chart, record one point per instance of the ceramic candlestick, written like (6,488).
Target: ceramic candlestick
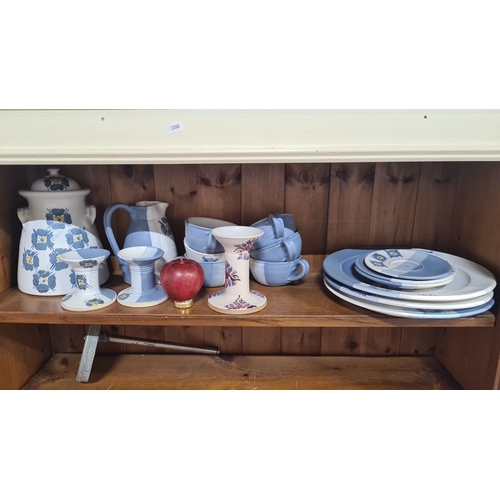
(237,297)
(84,277)
(143,292)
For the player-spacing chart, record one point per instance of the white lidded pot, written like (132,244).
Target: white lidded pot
(56,220)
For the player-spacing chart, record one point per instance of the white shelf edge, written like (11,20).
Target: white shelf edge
(61,137)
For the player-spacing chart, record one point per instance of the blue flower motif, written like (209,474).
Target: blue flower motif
(393,253)
(56,183)
(57,218)
(30,260)
(123,296)
(41,239)
(81,282)
(44,281)
(87,264)
(55,259)
(77,238)
(72,278)
(94,302)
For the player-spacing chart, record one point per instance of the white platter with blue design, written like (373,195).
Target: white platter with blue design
(403,312)
(471,279)
(396,283)
(408,263)
(410,304)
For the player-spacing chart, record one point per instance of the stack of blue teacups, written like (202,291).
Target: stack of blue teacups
(200,245)
(275,258)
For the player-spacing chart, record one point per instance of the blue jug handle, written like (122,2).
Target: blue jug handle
(108,214)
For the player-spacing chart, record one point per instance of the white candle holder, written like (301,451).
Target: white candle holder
(237,297)
(84,278)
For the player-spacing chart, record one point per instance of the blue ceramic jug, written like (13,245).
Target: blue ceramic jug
(148,227)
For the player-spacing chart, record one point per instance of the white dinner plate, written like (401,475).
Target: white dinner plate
(411,304)
(408,263)
(402,312)
(396,283)
(471,280)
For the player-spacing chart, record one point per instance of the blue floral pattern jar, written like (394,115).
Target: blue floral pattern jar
(57,220)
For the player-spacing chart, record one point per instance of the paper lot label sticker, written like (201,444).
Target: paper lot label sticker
(173,128)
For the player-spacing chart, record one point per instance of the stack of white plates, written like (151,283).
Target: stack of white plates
(410,282)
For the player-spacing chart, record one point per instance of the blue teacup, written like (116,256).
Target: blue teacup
(274,229)
(288,220)
(215,273)
(278,273)
(198,234)
(285,249)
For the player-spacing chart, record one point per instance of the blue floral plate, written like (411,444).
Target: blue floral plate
(397,283)
(408,263)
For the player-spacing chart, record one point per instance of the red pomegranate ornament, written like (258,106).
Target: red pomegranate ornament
(182,279)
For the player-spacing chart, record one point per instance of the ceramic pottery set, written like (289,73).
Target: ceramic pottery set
(61,253)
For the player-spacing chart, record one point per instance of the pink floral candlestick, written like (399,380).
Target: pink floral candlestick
(237,297)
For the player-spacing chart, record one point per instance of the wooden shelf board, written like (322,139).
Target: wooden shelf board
(199,372)
(306,303)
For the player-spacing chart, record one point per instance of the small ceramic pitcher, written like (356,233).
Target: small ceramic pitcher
(148,227)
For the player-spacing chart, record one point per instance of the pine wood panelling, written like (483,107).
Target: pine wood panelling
(226,339)
(436,200)
(473,359)
(263,191)
(394,199)
(23,351)
(361,341)
(418,341)
(306,197)
(303,341)
(340,341)
(65,338)
(261,340)
(380,341)
(350,205)
(219,192)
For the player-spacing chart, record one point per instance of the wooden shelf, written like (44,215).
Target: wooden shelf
(303,304)
(190,372)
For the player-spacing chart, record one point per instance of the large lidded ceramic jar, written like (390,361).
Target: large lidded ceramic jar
(56,220)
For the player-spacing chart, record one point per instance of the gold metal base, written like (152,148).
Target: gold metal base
(185,304)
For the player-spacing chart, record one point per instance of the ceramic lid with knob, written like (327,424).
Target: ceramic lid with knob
(54,182)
